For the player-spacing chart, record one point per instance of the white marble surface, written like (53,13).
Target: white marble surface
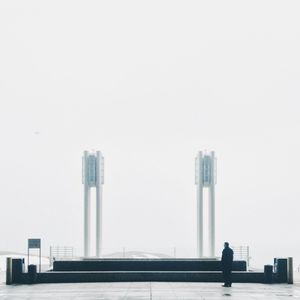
(149,290)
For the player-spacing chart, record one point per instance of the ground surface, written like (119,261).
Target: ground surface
(149,290)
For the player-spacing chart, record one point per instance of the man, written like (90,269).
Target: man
(227,258)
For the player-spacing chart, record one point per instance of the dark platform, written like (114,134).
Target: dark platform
(136,276)
(168,270)
(144,265)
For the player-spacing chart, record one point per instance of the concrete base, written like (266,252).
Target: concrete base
(131,270)
(145,265)
(130,276)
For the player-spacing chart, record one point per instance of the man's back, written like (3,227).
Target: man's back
(227,257)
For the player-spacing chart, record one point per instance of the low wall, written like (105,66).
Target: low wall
(17,274)
(145,265)
(117,276)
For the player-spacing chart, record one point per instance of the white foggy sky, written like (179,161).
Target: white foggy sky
(150,83)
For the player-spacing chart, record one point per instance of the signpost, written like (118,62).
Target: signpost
(34,244)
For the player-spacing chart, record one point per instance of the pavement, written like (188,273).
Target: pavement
(149,290)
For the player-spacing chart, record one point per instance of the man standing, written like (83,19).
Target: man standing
(227,258)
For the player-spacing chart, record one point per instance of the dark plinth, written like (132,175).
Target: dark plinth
(167,276)
(17,269)
(280,266)
(176,270)
(144,265)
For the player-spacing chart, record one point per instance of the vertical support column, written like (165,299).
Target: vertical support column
(199,206)
(290,270)
(211,208)
(8,270)
(99,205)
(86,207)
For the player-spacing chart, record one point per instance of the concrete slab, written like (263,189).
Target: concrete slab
(149,290)
(143,264)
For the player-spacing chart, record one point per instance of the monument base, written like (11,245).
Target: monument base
(142,264)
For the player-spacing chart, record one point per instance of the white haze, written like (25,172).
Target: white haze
(150,83)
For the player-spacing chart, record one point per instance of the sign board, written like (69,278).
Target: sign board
(34,243)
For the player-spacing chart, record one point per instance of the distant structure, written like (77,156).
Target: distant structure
(92,176)
(206,178)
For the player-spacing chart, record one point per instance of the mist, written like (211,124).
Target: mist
(149,84)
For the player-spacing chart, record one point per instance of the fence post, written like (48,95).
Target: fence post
(8,270)
(248,258)
(50,257)
(290,270)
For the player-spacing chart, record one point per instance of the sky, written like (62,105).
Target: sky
(149,84)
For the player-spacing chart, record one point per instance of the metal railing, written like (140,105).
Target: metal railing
(67,252)
(242,253)
(60,252)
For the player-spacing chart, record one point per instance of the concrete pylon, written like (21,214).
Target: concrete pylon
(206,178)
(92,177)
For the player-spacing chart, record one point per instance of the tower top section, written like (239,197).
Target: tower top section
(206,169)
(92,168)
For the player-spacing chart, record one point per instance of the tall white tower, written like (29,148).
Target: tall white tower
(92,176)
(206,178)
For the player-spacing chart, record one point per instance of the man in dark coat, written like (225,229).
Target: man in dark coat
(227,258)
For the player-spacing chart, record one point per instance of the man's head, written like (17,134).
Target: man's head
(226,245)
